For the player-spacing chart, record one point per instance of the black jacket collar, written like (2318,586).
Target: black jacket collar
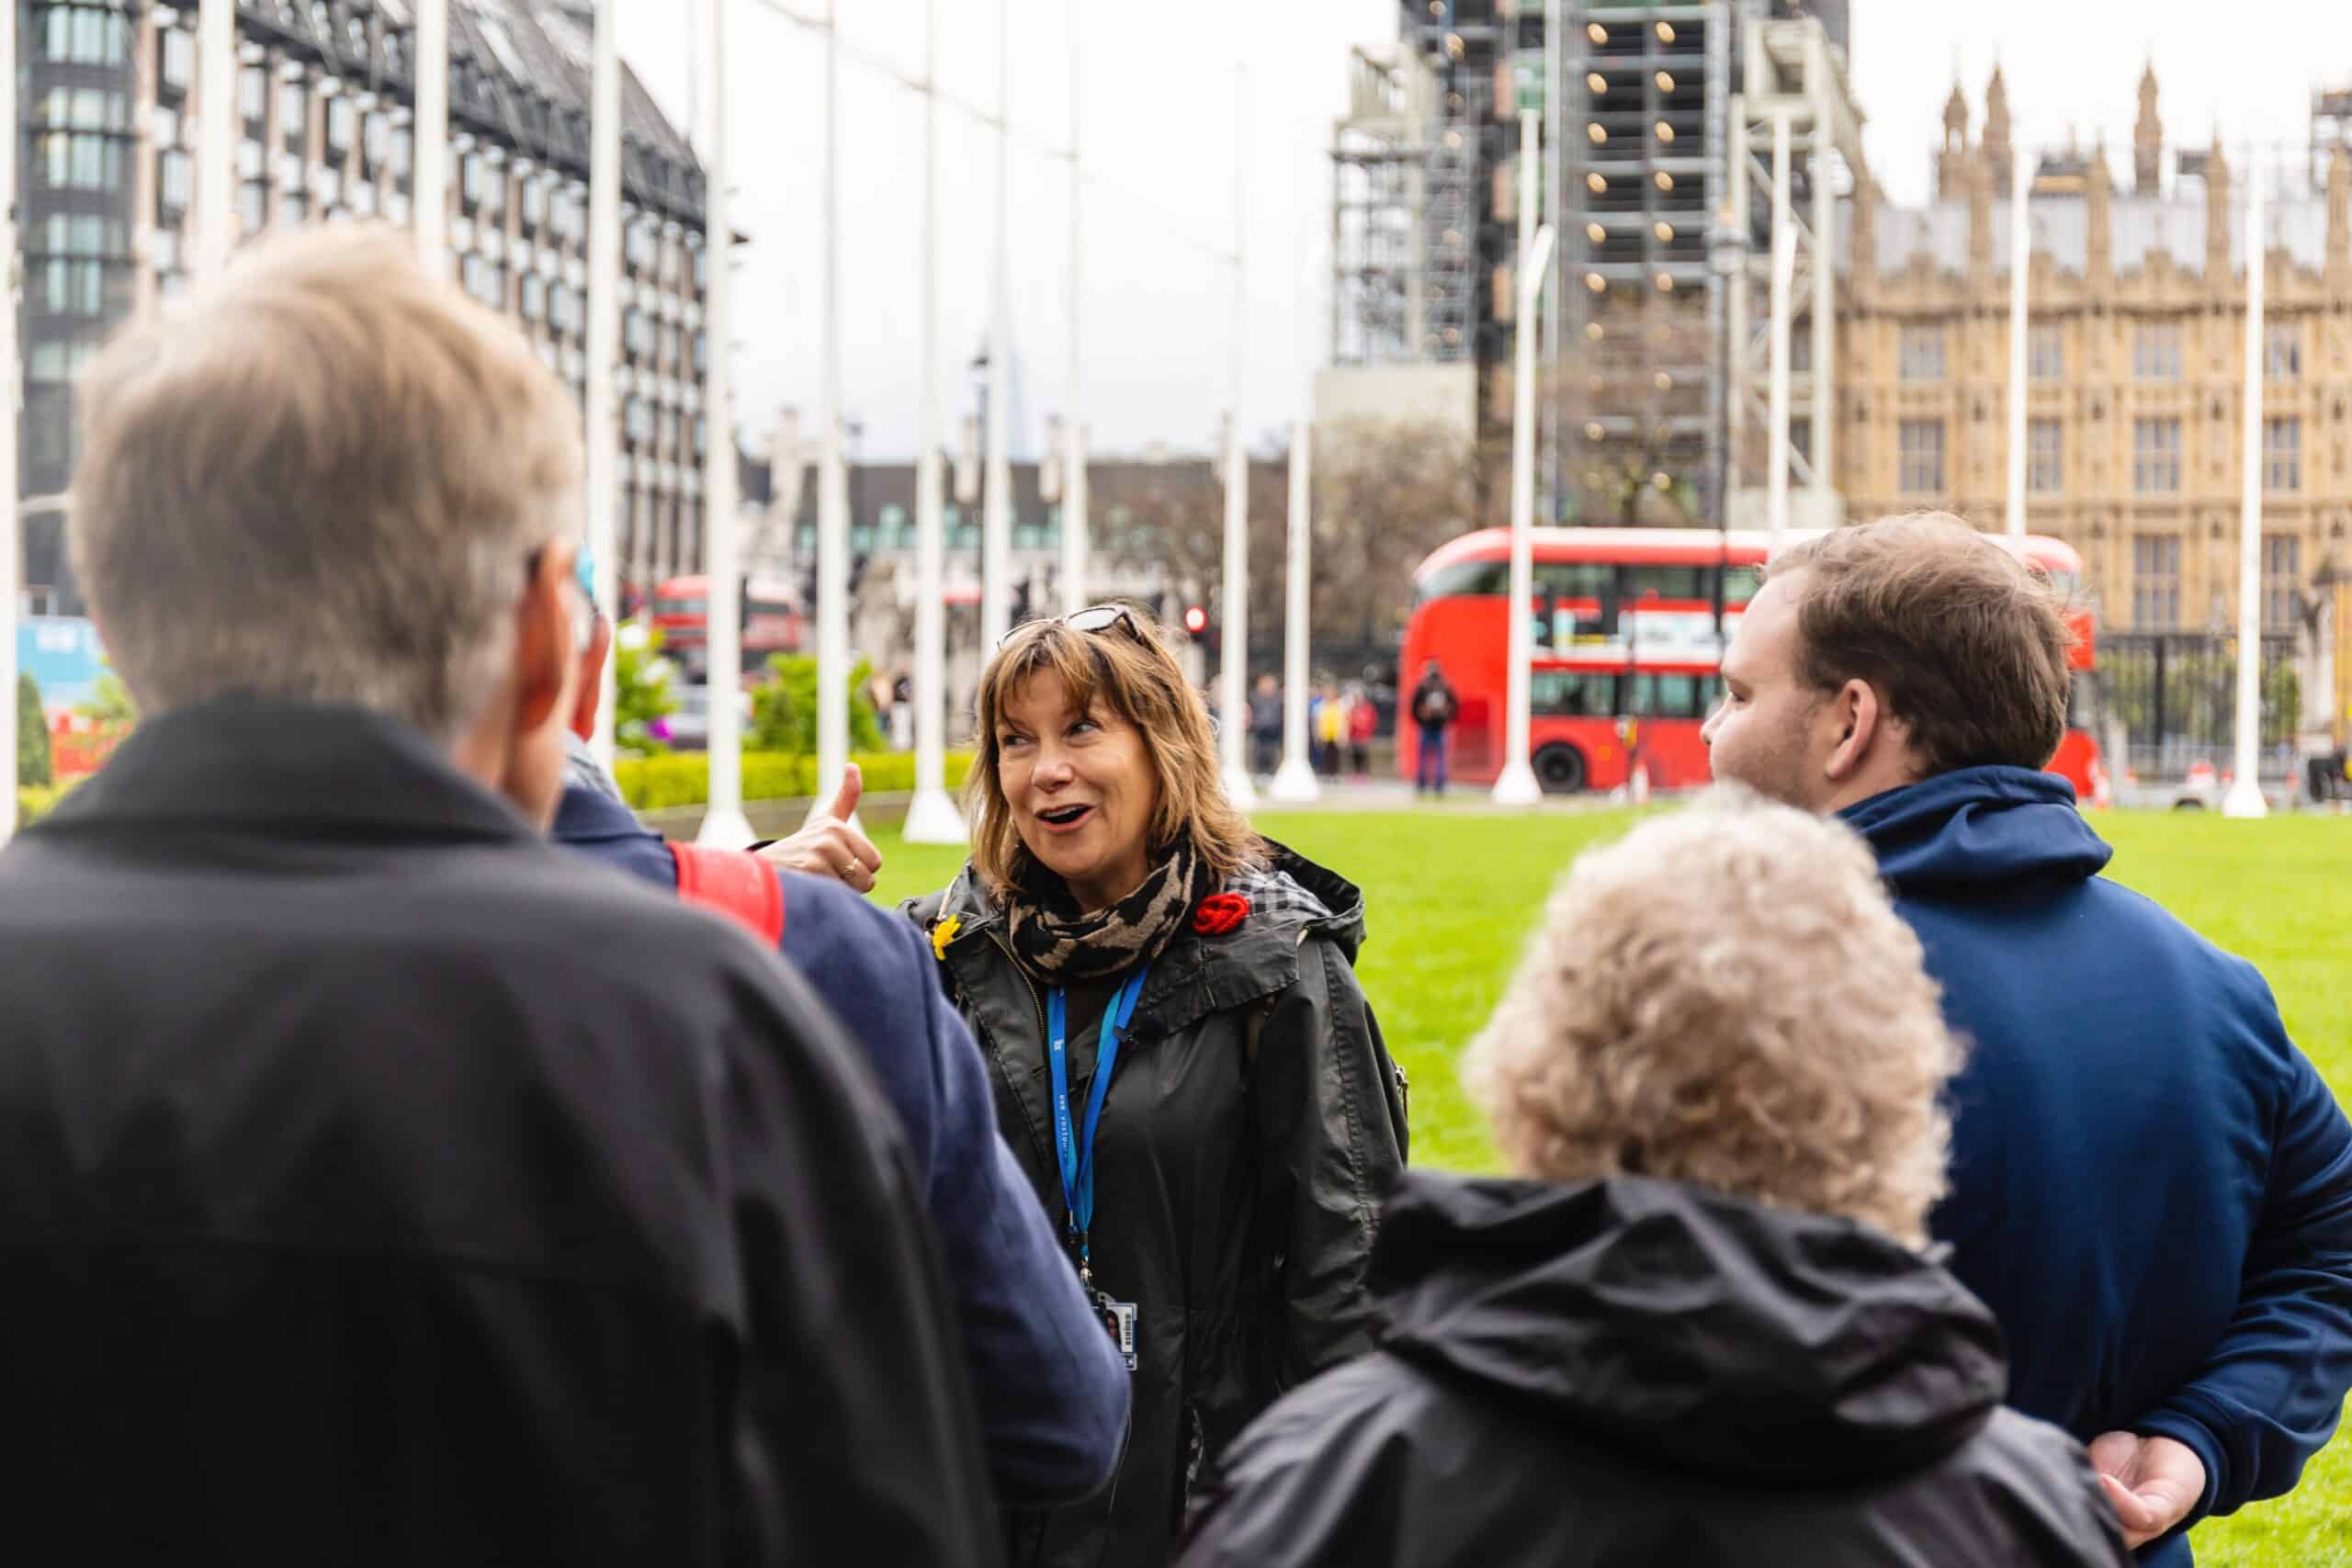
(292,768)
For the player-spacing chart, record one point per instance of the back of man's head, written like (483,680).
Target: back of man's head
(319,479)
(1964,643)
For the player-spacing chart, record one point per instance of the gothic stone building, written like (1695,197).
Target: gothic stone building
(2136,358)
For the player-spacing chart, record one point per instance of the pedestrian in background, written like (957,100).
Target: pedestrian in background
(1697,1326)
(1183,1061)
(1433,708)
(1266,726)
(1363,721)
(1330,732)
(380,1183)
(902,713)
(2152,1187)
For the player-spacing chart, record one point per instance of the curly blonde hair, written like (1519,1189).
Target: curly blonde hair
(1725,997)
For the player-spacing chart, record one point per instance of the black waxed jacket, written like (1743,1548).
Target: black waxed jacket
(382,1185)
(1254,1126)
(1640,1374)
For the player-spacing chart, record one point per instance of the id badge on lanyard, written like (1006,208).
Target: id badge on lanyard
(1074,1146)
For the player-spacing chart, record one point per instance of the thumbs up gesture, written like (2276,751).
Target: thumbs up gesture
(831,845)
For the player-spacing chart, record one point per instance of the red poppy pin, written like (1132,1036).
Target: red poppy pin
(1219,913)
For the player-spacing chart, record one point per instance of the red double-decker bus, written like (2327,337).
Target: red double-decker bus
(1626,660)
(772,624)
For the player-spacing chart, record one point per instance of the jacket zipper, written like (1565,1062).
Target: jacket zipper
(1031,986)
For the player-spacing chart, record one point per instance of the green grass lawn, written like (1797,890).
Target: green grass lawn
(1451,895)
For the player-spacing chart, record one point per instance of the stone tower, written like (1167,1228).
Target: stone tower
(1951,164)
(2147,138)
(1996,147)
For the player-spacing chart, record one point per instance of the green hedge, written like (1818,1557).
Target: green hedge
(33,802)
(683,778)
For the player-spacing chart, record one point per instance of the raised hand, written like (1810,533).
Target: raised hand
(831,845)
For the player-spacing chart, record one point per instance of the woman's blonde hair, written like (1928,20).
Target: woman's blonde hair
(1128,667)
(1725,997)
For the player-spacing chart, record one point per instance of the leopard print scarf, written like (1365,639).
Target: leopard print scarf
(1058,944)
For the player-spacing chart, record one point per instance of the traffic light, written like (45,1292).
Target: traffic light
(1196,621)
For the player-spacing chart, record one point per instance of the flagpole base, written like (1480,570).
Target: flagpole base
(2245,799)
(1294,784)
(931,818)
(1239,791)
(725,827)
(1517,786)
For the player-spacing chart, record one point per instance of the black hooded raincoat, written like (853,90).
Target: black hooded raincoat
(1643,1375)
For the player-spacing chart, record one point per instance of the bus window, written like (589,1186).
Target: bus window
(2082,702)
(681,607)
(1668,696)
(1571,694)
(1740,583)
(1464,578)
(1666,582)
(1574,579)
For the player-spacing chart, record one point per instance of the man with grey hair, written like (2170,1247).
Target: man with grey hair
(380,1184)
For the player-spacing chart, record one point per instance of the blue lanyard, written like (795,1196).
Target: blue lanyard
(1076,1158)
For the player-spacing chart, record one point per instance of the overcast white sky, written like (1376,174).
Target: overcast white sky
(1159,106)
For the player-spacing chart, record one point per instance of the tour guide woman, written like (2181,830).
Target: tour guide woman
(1181,1058)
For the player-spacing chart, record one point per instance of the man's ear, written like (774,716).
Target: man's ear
(543,640)
(591,678)
(1860,724)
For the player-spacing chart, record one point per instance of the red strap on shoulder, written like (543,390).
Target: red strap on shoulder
(736,882)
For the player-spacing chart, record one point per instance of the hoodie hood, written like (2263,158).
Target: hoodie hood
(1975,826)
(1701,1329)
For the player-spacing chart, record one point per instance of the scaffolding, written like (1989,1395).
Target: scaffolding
(1457,42)
(1378,200)
(1644,89)
(1795,139)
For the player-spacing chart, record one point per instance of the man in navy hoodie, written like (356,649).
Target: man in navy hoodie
(2151,1187)
(1053,1390)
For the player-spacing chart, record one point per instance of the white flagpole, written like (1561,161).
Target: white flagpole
(1784,260)
(833,482)
(932,817)
(11,513)
(216,137)
(1517,786)
(1234,663)
(2244,796)
(996,519)
(430,168)
(723,822)
(2021,261)
(1295,779)
(1076,524)
(604,341)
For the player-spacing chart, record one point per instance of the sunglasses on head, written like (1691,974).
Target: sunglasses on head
(1094,618)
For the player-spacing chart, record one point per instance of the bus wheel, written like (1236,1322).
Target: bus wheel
(1559,768)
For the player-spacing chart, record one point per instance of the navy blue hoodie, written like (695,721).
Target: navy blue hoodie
(2151,1187)
(1053,1392)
